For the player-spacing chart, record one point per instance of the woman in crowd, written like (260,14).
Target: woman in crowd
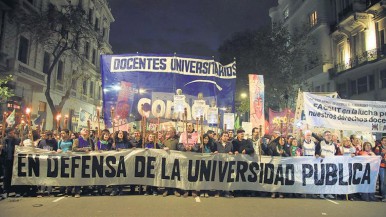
(367,151)
(103,144)
(206,147)
(151,143)
(120,142)
(65,146)
(347,148)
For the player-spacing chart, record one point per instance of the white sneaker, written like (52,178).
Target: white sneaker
(321,196)
(202,195)
(4,196)
(329,196)
(17,195)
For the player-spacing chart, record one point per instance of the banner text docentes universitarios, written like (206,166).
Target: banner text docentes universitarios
(195,171)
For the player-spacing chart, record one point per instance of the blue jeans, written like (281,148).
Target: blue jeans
(382,184)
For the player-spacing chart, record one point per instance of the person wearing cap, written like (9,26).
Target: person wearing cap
(241,145)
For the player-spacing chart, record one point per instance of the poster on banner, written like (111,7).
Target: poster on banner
(197,171)
(149,83)
(84,116)
(256,99)
(212,115)
(199,108)
(179,103)
(229,121)
(247,126)
(357,115)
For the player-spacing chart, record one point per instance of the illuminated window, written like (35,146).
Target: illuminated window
(313,19)
(42,106)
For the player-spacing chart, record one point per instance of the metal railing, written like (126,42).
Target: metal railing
(360,59)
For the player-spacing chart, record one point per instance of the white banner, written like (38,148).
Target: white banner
(357,115)
(156,167)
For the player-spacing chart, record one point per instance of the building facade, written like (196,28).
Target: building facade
(28,61)
(350,40)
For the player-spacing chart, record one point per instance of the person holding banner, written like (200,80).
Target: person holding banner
(226,147)
(48,143)
(242,146)
(82,144)
(121,142)
(327,149)
(64,146)
(103,144)
(189,142)
(151,143)
(170,143)
(381,151)
(367,152)
(277,148)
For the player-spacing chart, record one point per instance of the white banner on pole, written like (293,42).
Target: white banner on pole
(229,121)
(197,171)
(357,115)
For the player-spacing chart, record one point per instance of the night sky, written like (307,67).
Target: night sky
(192,27)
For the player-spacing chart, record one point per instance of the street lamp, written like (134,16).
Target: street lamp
(243,95)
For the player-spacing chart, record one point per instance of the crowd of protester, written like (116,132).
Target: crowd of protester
(311,145)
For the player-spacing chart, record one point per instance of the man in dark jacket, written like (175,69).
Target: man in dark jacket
(9,143)
(241,145)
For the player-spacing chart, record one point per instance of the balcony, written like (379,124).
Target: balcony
(26,73)
(361,59)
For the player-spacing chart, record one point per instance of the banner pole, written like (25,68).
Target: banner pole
(201,133)
(186,124)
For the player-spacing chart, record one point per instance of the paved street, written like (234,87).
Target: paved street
(172,206)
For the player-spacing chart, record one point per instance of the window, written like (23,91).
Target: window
(73,84)
(90,15)
(371,82)
(91,89)
(317,89)
(96,24)
(286,13)
(42,106)
(23,50)
(353,87)
(87,50)
(313,19)
(342,90)
(93,57)
(46,62)
(362,85)
(382,77)
(59,75)
(84,87)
